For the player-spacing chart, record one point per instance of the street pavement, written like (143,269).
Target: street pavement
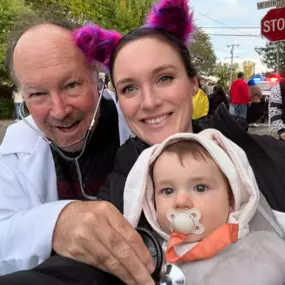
(3,127)
(261,130)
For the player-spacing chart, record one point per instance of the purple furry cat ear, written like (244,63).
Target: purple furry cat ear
(174,17)
(96,43)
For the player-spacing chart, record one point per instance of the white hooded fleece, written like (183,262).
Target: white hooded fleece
(258,257)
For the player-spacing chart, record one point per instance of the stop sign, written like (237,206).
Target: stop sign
(273,25)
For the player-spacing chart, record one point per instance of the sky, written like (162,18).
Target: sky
(232,13)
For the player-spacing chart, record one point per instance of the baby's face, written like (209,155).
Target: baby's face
(196,184)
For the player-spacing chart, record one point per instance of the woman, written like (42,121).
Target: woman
(154,78)
(255,108)
(152,73)
(216,98)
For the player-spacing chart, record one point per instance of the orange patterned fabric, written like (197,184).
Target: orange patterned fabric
(206,248)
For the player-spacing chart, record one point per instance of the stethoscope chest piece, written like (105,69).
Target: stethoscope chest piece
(164,274)
(173,276)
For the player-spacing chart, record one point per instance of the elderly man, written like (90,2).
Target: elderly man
(40,181)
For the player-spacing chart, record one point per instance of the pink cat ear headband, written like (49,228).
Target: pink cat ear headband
(172,16)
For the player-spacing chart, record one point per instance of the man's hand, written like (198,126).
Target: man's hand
(96,233)
(282,136)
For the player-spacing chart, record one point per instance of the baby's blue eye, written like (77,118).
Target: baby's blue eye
(200,188)
(167,191)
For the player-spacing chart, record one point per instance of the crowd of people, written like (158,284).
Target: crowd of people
(95,162)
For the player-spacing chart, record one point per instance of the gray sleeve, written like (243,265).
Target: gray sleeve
(275,109)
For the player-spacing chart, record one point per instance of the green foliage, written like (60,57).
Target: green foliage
(222,72)
(120,15)
(202,53)
(6,109)
(10,11)
(269,55)
(248,69)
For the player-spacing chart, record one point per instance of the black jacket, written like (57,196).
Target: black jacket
(266,156)
(215,100)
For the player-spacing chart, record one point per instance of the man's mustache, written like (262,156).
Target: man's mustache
(66,122)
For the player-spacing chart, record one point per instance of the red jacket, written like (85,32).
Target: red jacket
(239,93)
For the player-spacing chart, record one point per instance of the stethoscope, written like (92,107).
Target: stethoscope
(85,140)
(164,274)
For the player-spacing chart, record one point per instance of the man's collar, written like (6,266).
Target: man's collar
(20,138)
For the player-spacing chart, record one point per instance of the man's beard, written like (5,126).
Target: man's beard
(68,144)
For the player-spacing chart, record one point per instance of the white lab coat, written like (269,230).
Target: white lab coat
(29,205)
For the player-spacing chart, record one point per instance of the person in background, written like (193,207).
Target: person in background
(239,97)
(200,105)
(254,109)
(211,86)
(216,98)
(18,100)
(277,108)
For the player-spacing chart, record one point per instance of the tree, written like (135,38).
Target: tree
(202,53)
(248,69)
(222,72)
(10,11)
(120,15)
(269,55)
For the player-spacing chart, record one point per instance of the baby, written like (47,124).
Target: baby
(199,194)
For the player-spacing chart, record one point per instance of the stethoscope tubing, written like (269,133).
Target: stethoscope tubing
(57,148)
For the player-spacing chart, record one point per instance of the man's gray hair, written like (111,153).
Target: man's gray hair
(26,23)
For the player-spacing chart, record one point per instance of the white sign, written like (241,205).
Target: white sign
(269,4)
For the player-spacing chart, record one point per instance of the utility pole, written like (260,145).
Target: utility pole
(278,57)
(232,60)
(278,46)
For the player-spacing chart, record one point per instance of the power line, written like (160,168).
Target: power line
(230,27)
(234,35)
(221,50)
(223,23)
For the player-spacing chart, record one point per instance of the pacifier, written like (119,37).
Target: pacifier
(187,222)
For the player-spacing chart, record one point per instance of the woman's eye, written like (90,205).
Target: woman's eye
(128,89)
(200,188)
(167,191)
(165,78)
